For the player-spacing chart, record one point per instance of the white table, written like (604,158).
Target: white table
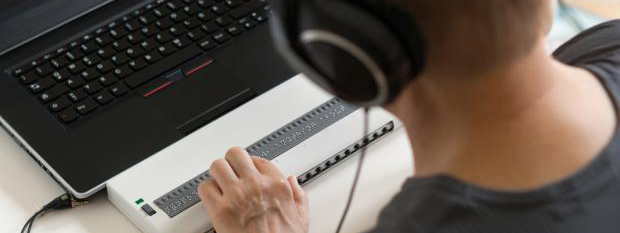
(24,186)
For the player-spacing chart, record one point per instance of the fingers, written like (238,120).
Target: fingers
(299,194)
(223,174)
(209,193)
(266,168)
(241,163)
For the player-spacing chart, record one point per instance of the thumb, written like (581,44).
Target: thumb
(301,199)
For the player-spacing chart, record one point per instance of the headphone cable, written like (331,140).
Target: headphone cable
(357,172)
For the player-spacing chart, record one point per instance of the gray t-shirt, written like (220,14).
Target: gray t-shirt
(585,202)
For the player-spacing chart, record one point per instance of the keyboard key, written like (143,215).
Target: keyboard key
(196,34)
(206,16)
(68,116)
(235,30)
(148,44)
(260,17)
(42,85)
(234,3)
(137,64)
(104,40)
(221,36)
(104,67)
(219,9)
(152,57)
(174,5)
(59,62)
(175,59)
(205,3)
(75,82)
(164,23)
(135,52)
(53,93)
(136,37)
(44,69)
(21,70)
(28,78)
(147,18)
(77,95)
(59,104)
(163,37)
(120,59)
(61,75)
(74,54)
(91,60)
(121,45)
(106,52)
(177,30)
(133,25)
(118,32)
(86,106)
(122,72)
(103,97)
(182,42)
(192,9)
(150,30)
(92,87)
(89,47)
(89,74)
(192,22)
(246,8)
(166,49)
(209,28)
(178,17)
(207,44)
(223,21)
(119,89)
(107,80)
(76,67)
(161,11)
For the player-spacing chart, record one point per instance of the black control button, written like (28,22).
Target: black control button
(148,210)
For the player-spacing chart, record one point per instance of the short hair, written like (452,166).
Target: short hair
(475,35)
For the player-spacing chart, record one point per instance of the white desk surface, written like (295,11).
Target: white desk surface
(24,186)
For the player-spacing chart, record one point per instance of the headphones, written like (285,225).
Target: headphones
(362,51)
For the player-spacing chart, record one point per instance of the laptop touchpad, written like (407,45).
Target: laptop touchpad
(197,93)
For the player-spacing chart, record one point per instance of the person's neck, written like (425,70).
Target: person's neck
(516,127)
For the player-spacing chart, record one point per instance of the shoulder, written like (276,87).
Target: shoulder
(601,42)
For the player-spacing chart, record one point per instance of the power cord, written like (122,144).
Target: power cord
(64,201)
(357,173)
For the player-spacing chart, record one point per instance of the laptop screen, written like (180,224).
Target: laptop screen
(22,20)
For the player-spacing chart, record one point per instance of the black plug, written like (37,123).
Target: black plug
(64,201)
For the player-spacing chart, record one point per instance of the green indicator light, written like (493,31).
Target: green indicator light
(139,201)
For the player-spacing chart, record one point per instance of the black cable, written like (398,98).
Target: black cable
(64,201)
(569,12)
(357,173)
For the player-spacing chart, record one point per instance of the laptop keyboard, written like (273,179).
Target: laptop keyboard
(104,65)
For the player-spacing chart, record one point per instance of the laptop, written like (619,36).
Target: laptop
(90,88)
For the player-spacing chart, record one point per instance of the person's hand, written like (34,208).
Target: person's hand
(250,195)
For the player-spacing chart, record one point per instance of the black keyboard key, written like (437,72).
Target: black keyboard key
(86,106)
(119,59)
(76,67)
(44,69)
(59,104)
(107,80)
(178,17)
(192,9)
(134,52)
(164,23)
(207,44)
(147,18)
(182,42)
(235,30)
(163,37)
(75,82)
(61,75)
(152,57)
(192,22)
(68,116)
(103,97)
(246,8)
(74,54)
(205,16)
(53,93)
(247,23)
(209,28)
(177,30)
(121,45)
(119,89)
(104,40)
(136,37)
(161,11)
(105,67)
(221,36)
(122,72)
(219,8)
(148,44)
(118,32)
(166,49)
(234,3)
(205,3)
(196,34)
(91,60)
(106,52)
(137,64)
(260,17)
(174,5)
(133,25)
(89,47)
(92,87)
(89,74)
(42,85)
(28,78)
(22,70)
(59,62)
(175,59)
(77,95)
(150,30)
